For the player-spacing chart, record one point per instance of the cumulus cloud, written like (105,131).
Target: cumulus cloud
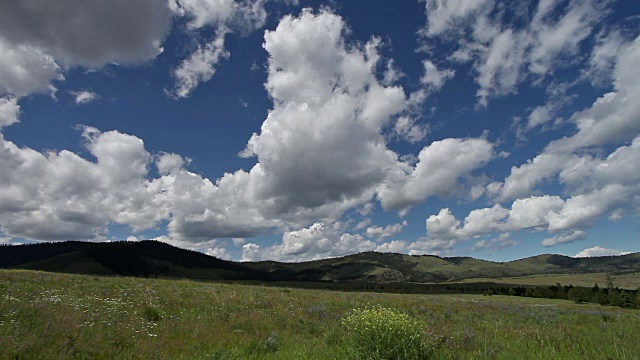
(379,232)
(43,197)
(223,17)
(573,236)
(199,66)
(428,177)
(84,96)
(434,78)
(505,53)
(9,111)
(322,150)
(599,251)
(395,246)
(87,33)
(568,218)
(499,243)
(314,242)
(25,69)
(40,40)
(612,119)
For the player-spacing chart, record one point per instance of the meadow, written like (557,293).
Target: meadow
(60,316)
(629,280)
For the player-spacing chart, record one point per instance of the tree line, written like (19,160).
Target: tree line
(610,295)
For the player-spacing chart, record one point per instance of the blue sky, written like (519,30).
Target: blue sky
(297,130)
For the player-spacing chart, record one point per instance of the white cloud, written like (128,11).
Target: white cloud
(169,163)
(433,78)
(315,242)
(429,177)
(25,69)
(391,73)
(596,185)
(446,15)
(603,57)
(238,241)
(503,53)
(406,128)
(43,197)
(599,251)
(613,118)
(40,40)
(499,243)
(573,236)
(379,232)
(568,217)
(9,111)
(211,247)
(321,151)
(362,224)
(395,246)
(224,17)
(219,252)
(83,96)
(199,67)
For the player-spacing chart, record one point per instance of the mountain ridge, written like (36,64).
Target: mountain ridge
(156,259)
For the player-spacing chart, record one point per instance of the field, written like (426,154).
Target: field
(59,316)
(624,281)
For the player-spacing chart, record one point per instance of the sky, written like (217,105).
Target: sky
(296,130)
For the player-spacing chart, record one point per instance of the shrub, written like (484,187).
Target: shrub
(379,333)
(152,314)
(272,344)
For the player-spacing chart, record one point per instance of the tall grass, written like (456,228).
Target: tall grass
(58,316)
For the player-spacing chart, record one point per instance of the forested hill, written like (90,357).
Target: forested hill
(156,259)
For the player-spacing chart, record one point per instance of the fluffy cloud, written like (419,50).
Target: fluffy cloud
(321,151)
(224,17)
(40,40)
(429,177)
(9,111)
(25,69)
(538,213)
(599,251)
(395,246)
(84,96)
(573,236)
(599,185)
(495,244)
(379,232)
(199,66)
(504,54)
(87,33)
(315,242)
(44,198)
(445,15)
(613,118)
(433,78)
(597,196)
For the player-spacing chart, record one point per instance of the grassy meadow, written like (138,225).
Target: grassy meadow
(629,280)
(60,316)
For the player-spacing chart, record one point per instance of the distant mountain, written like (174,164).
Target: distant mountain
(385,267)
(144,259)
(156,259)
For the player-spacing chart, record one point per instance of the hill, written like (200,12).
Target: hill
(142,259)
(156,259)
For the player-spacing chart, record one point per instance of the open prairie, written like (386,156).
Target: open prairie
(58,316)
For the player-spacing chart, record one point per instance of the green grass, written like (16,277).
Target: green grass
(60,316)
(625,280)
